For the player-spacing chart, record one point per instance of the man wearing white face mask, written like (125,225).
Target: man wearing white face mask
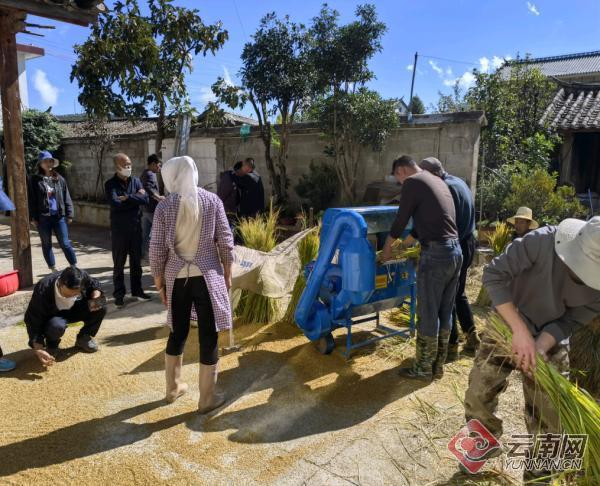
(58,299)
(126,196)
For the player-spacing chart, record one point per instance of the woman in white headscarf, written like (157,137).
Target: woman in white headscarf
(191,251)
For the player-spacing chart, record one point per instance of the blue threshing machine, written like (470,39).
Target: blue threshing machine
(346,285)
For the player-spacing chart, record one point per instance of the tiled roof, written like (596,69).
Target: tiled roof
(567,65)
(74,128)
(74,125)
(574,108)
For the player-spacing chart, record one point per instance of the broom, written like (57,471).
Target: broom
(308,249)
(259,233)
(498,241)
(578,411)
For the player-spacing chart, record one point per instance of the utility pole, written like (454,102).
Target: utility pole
(412,86)
(10,22)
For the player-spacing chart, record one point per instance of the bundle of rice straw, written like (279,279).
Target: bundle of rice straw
(584,356)
(498,241)
(579,413)
(399,253)
(258,233)
(308,249)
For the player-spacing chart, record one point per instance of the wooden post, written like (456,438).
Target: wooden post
(10,22)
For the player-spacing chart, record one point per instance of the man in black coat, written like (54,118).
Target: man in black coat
(126,196)
(252,197)
(58,299)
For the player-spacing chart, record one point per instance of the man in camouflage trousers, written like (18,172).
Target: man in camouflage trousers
(545,285)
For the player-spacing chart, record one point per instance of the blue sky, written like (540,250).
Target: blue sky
(457,35)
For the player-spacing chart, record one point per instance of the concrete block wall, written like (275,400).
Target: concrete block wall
(83,172)
(452,138)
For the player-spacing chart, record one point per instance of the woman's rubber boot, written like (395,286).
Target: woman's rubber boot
(472,345)
(442,354)
(425,356)
(209,399)
(175,387)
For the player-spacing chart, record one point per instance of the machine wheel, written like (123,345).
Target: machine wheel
(326,344)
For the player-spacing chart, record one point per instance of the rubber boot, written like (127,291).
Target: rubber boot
(175,387)
(209,399)
(425,356)
(472,345)
(453,353)
(442,354)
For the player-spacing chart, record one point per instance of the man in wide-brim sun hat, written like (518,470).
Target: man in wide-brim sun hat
(523,222)
(544,286)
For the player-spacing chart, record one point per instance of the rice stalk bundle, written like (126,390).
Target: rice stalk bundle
(259,233)
(400,316)
(579,413)
(584,356)
(308,249)
(498,241)
(398,252)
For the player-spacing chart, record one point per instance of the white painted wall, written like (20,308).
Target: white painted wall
(204,153)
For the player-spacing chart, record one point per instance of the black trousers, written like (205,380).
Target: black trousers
(125,244)
(57,325)
(188,292)
(462,310)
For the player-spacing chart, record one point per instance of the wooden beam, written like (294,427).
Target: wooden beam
(13,144)
(77,16)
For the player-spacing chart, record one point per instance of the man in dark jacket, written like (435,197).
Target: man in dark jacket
(252,191)
(465,221)
(58,299)
(229,191)
(150,184)
(126,195)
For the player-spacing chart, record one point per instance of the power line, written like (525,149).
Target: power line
(239,18)
(449,60)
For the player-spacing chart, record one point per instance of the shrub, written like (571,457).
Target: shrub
(41,131)
(537,190)
(318,187)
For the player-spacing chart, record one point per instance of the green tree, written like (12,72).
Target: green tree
(514,101)
(451,103)
(276,79)
(41,131)
(417,107)
(351,116)
(134,63)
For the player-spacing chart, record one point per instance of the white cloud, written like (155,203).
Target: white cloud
(464,82)
(484,64)
(227,77)
(449,71)
(206,95)
(498,61)
(436,68)
(410,67)
(532,9)
(45,88)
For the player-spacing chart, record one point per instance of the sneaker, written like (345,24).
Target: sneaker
(119,302)
(141,296)
(86,343)
(53,351)
(7,365)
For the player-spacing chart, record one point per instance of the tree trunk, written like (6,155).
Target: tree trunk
(160,129)
(13,143)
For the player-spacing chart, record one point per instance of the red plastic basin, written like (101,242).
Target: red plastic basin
(9,283)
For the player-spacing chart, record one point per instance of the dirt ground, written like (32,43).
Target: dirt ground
(293,416)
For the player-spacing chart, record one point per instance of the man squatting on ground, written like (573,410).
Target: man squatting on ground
(59,299)
(427,199)
(464,206)
(545,285)
(126,195)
